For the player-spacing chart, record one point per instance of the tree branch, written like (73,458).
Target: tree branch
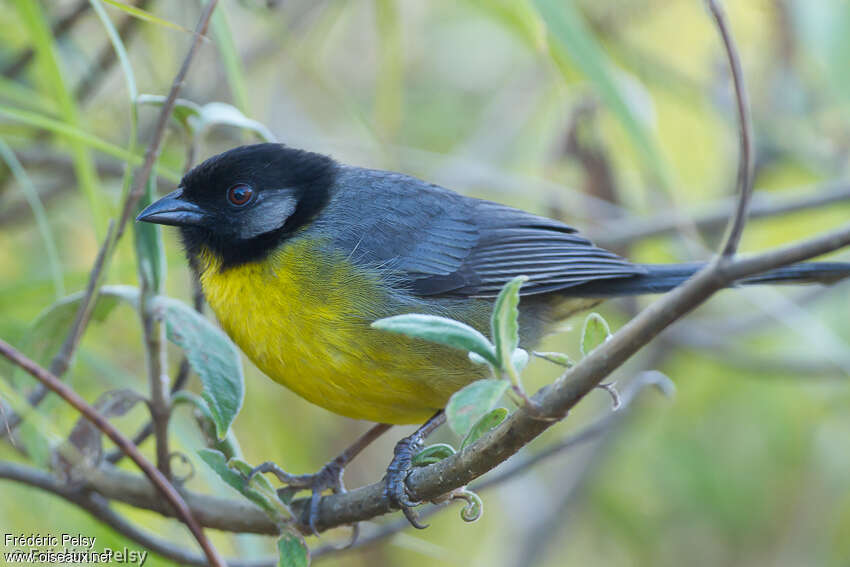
(746,161)
(716,215)
(161,483)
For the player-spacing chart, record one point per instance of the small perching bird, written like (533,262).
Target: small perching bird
(299,254)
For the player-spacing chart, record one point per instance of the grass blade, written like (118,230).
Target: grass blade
(48,60)
(38,211)
(573,39)
(230,59)
(145,15)
(73,132)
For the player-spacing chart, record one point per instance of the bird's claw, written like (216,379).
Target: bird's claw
(329,477)
(395,482)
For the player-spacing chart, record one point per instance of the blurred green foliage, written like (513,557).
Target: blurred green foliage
(748,466)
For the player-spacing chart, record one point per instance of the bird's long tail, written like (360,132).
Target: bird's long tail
(660,278)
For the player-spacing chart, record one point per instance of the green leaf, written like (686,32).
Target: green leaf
(474,506)
(47,333)
(504,322)
(198,119)
(519,359)
(595,332)
(49,66)
(518,17)
(230,57)
(72,132)
(150,251)
(184,110)
(259,490)
(440,330)
(432,454)
(211,354)
(145,16)
(556,358)
(574,40)
(292,550)
(488,422)
(219,113)
(229,445)
(31,195)
(468,405)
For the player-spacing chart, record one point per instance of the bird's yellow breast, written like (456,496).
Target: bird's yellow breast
(302,315)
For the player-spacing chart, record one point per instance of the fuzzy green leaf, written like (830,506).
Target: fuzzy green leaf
(488,422)
(259,491)
(468,405)
(440,330)
(519,359)
(292,549)
(595,332)
(211,354)
(504,322)
(432,454)
(47,333)
(556,358)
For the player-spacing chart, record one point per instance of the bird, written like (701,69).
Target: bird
(298,254)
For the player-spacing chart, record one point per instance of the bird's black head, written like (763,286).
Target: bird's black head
(243,203)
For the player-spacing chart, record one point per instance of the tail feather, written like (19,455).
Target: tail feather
(660,278)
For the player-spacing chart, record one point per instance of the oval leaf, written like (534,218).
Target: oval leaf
(487,423)
(432,454)
(595,332)
(440,330)
(558,358)
(469,405)
(292,550)
(259,491)
(504,322)
(211,354)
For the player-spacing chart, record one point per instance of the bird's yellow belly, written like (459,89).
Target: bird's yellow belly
(304,319)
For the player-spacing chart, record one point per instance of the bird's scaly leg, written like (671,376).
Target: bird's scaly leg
(396,479)
(328,477)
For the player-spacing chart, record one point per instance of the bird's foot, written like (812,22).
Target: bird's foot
(395,482)
(329,477)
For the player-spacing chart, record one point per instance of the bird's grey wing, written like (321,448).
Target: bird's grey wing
(512,242)
(440,243)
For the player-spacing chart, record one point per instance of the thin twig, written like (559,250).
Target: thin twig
(715,215)
(161,483)
(746,159)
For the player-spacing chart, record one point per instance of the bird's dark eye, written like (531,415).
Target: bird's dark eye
(240,194)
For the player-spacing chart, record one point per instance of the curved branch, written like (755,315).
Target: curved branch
(162,484)
(746,161)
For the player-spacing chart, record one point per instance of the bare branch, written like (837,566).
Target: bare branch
(746,160)
(716,215)
(98,507)
(161,483)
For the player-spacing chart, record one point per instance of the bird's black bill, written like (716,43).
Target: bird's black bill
(172,210)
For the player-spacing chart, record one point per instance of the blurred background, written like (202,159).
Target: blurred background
(616,117)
